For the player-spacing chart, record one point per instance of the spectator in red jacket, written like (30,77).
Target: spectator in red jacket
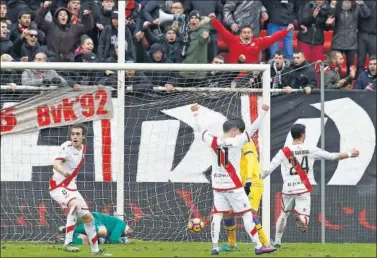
(244,48)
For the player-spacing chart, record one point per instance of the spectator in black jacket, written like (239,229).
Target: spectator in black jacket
(302,74)
(220,79)
(368,79)
(25,23)
(27,45)
(16,6)
(138,80)
(169,40)
(205,8)
(106,10)
(151,9)
(279,69)
(281,14)
(84,77)
(347,14)
(313,19)
(61,35)
(109,37)
(4,12)
(367,35)
(156,55)
(5,43)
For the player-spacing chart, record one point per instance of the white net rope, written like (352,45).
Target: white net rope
(166,170)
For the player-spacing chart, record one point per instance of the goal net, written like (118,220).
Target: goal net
(144,164)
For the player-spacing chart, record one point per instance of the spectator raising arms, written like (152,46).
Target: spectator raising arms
(25,23)
(27,45)
(313,19)
(332,75)
(244,47)
(347,14)
(61,34)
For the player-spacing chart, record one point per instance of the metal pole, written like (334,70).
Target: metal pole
(323,181)
(120,116)
(265,136)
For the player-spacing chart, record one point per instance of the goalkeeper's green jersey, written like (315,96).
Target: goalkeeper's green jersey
(115,227)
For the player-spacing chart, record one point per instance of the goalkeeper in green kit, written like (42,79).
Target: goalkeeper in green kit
(110,230)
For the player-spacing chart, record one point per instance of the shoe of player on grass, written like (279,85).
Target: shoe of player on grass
(101,253)
(70,248)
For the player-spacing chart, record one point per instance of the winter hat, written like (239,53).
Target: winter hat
(114,14)
(157,47)
(194,13)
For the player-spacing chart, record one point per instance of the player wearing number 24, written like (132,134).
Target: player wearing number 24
(296,162)
(63,189)
(228,190)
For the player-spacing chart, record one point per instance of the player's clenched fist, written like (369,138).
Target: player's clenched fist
(354,153)
(290,27)
(265,107)
(195,107)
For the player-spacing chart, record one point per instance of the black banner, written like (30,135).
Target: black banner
(160,210)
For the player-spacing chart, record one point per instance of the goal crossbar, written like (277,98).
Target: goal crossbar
(135,66)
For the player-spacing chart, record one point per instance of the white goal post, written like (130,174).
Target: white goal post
(264,132)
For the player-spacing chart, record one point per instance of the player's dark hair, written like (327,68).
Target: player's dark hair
(297,130)
(279,53)
(233,124)
(374,58)
(75,126)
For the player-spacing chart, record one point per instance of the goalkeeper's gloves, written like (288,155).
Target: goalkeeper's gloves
(247,187)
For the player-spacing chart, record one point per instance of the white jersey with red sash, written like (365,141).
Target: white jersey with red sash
(226,155)
(296,160)
(72,160)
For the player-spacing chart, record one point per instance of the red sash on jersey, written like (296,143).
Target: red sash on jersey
(68,180)
(303,176)
(229,167)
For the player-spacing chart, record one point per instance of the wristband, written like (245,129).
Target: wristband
(349,154)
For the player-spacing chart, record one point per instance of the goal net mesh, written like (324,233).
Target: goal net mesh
(166,169)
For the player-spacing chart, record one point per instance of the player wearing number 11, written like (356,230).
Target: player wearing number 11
(63,189)
(228,191)
(296,162)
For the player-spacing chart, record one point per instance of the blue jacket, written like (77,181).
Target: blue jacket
(364,79)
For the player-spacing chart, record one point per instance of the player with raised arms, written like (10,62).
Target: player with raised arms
(228,191)
(63,189)
(296,162)
(253,185)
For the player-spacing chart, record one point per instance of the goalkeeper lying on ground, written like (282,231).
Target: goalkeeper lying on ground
(253,183)
(110,230)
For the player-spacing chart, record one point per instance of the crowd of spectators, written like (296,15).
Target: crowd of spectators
(194,31)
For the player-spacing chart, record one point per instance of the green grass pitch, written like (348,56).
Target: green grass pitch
(186,249)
